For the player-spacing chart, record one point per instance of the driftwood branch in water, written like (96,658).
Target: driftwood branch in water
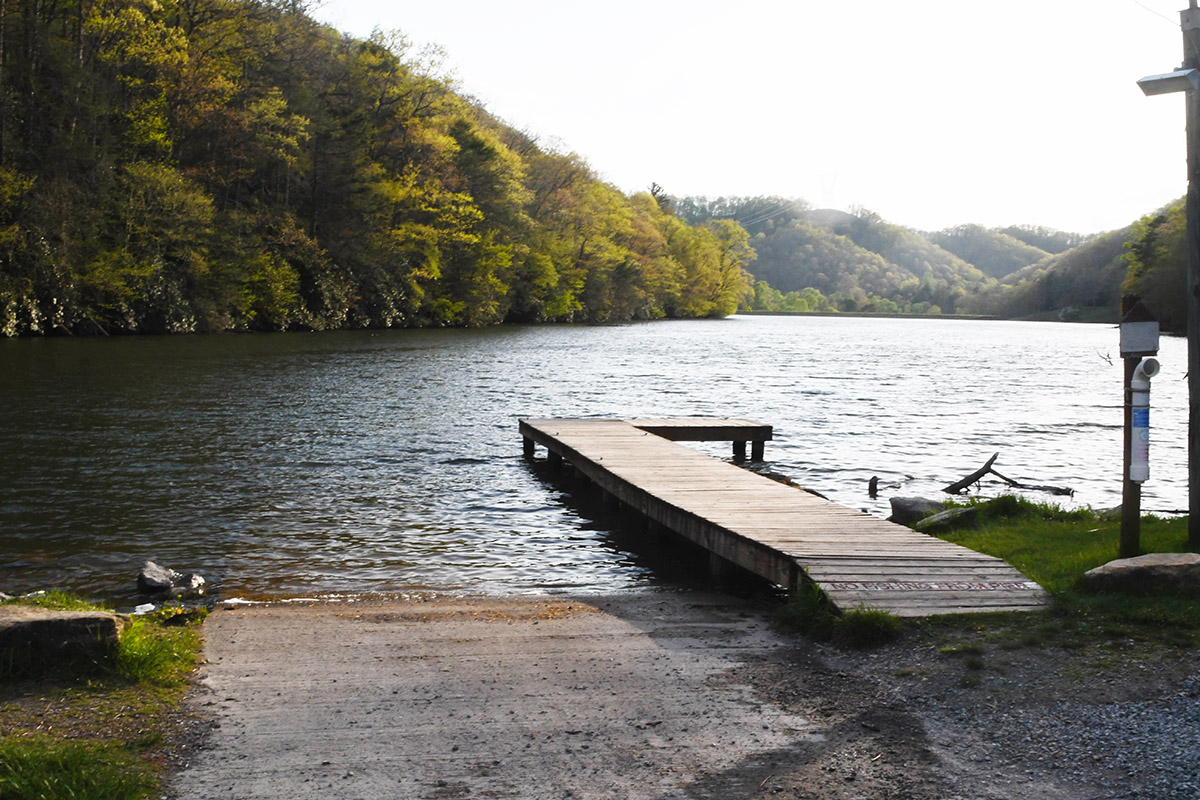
(957,487)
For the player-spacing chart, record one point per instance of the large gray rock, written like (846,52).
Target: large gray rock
(907,510)
(1170,571)
(34,640)
(155,579)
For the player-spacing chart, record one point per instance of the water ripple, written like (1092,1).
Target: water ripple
(390,461)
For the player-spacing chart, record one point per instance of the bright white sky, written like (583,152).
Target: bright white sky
(932,113)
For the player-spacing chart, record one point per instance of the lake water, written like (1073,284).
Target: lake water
(390,462)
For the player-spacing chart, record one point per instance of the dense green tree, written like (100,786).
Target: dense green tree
(1156,258)
(202,165)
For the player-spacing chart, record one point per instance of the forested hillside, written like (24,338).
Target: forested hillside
(851,262)
(1081,283)
(993,252)
(202,165)
(826,261)
(206,165)
(1156,255)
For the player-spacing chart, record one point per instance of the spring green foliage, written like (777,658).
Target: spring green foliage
(1156,256)
(1083,283)
(152,654)
(201,165)
(43,768)
(54,600)
(1054,546)
(864,626)
(1046,239)
(109,719)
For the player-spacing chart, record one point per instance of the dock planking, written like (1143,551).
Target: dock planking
(776,531)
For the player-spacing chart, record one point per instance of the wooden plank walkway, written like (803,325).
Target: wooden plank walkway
(773,530)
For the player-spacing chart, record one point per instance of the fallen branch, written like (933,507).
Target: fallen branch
(955,488)
(986,469)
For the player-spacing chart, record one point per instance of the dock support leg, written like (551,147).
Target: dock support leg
(528,445)
(739,452)
(554,460)
(757,450)
(718,568)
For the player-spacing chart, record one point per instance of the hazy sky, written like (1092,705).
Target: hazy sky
(932,113)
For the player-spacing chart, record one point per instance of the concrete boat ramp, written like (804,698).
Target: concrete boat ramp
(781,533)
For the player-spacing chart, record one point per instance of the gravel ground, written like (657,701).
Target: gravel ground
(1102,723)
(669,695)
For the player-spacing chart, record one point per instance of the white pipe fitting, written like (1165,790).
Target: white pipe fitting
(1139,401)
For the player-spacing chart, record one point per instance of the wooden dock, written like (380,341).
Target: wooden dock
(776,531)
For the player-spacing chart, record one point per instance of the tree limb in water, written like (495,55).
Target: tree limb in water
(957,487)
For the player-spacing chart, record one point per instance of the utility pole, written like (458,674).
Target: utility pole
(1190,21)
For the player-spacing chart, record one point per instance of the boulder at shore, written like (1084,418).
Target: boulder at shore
(155,579)
(1178,572)
(907,510)
(37,639)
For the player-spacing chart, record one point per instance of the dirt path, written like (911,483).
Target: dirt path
(655,695)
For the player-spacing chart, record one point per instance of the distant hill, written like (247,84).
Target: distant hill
(857,260)
(825,259)
(1047,239)
(993,252)
(1084,282)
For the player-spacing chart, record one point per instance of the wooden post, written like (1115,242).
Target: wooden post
(1131,491)
(1190,18)
(739,452)
(528,445)
(554,460)
(757,450)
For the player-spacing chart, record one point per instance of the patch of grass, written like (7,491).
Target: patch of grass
(98,730)
(55,601)
(864,627)
(1054,547)
(810,612)
(151,653)
(43,768)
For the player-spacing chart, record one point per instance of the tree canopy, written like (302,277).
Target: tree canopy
(205,165)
